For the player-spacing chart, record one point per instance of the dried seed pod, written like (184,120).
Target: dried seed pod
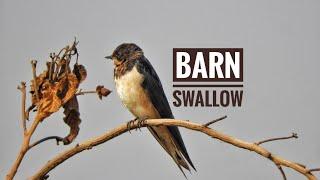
(102,91)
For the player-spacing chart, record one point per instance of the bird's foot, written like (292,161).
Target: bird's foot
(130,123)
(141,122)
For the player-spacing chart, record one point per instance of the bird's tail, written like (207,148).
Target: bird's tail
(172,147)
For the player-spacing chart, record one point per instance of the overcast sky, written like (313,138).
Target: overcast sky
(281,83)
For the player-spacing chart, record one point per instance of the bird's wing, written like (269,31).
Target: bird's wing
(153,87)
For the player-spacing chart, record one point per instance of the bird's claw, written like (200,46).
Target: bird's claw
(141,122)
(130,123)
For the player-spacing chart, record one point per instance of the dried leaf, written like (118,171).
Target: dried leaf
(80,71)
(54,95)
(102,91)
(72,119)
(69,84)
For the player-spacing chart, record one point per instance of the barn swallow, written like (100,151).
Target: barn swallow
(141,92)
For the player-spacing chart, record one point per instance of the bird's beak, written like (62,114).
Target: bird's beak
(108,57)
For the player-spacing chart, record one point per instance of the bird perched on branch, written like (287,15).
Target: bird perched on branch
(140,90)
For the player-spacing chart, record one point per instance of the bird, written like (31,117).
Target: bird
(141,92)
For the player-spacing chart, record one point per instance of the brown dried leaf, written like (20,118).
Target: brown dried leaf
(72,119)
(102,91)
(69,84)
(80,71)
(54,95)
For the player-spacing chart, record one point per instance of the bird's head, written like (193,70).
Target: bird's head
(125,52)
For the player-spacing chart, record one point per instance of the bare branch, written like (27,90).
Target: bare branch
(22,88)
(57,138)
(85,92)
(86,145)
(294,135)
(214,121)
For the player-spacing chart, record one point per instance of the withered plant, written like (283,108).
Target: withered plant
(56,87)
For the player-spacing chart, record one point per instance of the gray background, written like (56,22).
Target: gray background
(281,45)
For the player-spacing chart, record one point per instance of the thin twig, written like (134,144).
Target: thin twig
(67,50)
(22,88)
(57,138)
(34,73)
(52,56)
(30,108)
(63,49)
(55,73)
(314,170)
(89,144)
(294,135)
(282,172)
(301,165)
(85,92)
(214,121)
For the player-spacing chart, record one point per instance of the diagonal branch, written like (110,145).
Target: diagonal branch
(89,144)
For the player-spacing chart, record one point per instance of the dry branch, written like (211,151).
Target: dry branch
(23,150)
(214,121)
(89,144)
(294,135)
(282,172)
(101,91)
(57,138)
(315,169)
(22,88)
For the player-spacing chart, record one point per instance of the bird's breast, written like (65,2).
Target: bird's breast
(134,96)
